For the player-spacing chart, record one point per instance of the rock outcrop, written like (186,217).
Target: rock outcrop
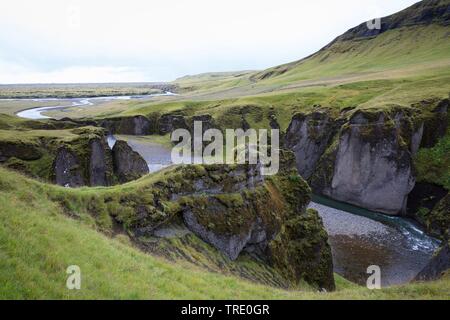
(435,124)
(169,122)
(67,169)
(266,217)
(128,164)
(373,167)
(439,264)
(422,13)
(308,136)
(236,210)
(100,163)
(362,158)
(19,150)
(136,125)
(437,220)
(365,157)
(228,219)
(81,157)
(86,160)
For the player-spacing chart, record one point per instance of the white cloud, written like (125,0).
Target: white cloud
(165,39)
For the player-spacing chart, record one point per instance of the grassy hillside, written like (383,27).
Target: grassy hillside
(422,48)
(407,61)
(400,66)
(38,241)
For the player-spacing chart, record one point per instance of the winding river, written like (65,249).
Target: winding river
(37,113)
(358,237)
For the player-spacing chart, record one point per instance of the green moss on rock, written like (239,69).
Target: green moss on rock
(301,250)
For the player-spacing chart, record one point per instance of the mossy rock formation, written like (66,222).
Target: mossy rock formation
(69,157)
(128,164)
(136,125)
(232,208)
(365,157)
(439,264)
(308,136)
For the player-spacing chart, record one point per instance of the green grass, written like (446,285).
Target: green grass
(433,164)
(373,94)
(30,136)
(75,90)
(38,241)
(418,47)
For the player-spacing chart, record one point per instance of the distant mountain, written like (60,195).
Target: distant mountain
(213,75)
(404,37)
(422,13)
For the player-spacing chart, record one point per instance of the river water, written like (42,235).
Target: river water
(36,113)
(358,238)
(156,155)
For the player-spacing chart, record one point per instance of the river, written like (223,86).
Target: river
(358,238)
(36,113)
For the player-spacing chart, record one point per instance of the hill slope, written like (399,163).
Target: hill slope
(418,34)
(412,43)
(38,241)
(405,62)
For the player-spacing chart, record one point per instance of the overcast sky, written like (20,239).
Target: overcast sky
(49,41)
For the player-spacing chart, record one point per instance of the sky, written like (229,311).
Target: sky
(74,41)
